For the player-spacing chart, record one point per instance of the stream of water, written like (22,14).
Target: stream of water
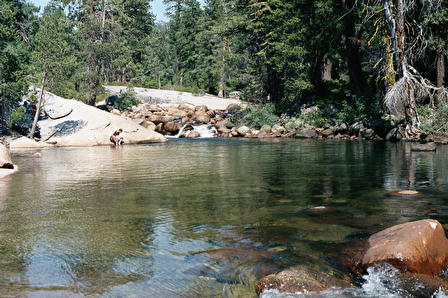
(194,218)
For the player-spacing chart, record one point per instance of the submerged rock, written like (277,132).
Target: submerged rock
(306,133)
(424,147)
(229,265)
(299,279)
(416,247)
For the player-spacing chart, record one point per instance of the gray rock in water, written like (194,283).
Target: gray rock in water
(356,128)
(428,147)
(306,133)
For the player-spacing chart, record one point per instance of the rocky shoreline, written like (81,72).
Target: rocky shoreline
(180,121)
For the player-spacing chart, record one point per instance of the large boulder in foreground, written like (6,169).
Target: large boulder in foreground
(5,158)
(298,280)
(84,126)
(417,247)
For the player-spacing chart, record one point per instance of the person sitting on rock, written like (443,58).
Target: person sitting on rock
(115,137)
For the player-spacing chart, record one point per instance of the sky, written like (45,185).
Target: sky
(158,8)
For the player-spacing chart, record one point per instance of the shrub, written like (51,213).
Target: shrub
(18,115)
(259,115)
(316,117)
(434,121)
(359,109)
(292,124)
(126,100)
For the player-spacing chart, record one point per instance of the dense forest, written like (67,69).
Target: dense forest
(356,60)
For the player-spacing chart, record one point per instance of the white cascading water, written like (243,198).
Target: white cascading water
(380,281)
(205,131)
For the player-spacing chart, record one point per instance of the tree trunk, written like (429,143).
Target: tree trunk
(39,103)
(352,52)
(387,4)
(401,35)
(91,92)
(325,73)
(181,79)
(222,80)
(158,81)
(440,69)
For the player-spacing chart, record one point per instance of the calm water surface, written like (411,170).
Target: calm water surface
(200,218)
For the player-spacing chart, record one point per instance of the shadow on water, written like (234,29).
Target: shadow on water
(201,218)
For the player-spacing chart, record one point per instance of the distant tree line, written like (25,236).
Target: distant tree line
(349,55)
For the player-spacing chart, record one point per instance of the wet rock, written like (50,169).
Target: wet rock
(172,127)
(202,117)
(368,134)
(226,123)
(233,108)
(306,133)
(5,158)
(340,128)
(428,147)
(422,285)
(193,134)
(263,135)
(234,133)
(327,132)
(298,280)
(417,247)
(223,129)
(395,134)
(381,127)
(188,127)
(356,128)
(243,130)
(230,264)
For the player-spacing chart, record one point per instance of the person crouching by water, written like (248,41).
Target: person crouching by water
(115,137)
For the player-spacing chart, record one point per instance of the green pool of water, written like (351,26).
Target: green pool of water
(200,218)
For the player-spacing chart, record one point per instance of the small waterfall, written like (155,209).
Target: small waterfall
(205,130)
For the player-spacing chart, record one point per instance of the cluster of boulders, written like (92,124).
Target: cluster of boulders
(180,120)
(418,252)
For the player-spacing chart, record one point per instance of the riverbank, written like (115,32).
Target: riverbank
(237,121)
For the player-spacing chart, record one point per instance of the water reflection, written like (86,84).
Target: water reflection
(138,220)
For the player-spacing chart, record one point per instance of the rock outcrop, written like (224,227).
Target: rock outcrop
(85,126)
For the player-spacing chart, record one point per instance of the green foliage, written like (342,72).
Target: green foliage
(259,115)
(18,114)
(126,100)
(292,124)
(359,110)
(315,117)
(434,120)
